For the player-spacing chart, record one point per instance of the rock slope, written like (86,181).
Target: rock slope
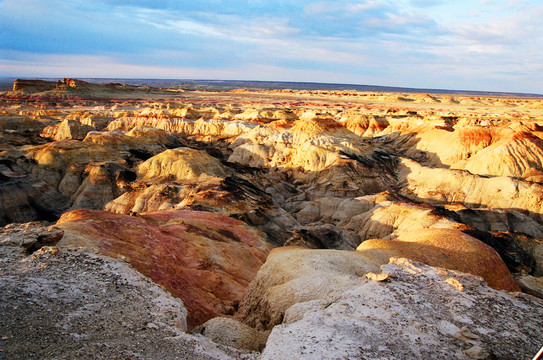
(205,259)
(429,313)
(72,303)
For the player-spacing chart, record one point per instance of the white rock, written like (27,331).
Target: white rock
(414,316)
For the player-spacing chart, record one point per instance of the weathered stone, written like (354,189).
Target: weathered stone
(450,249)
(294,275)
(416,315)
(205,259)
(530,284)
(88,306)
(230,332)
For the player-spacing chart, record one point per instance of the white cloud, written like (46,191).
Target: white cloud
(62,65)
(417,43)
(367,5)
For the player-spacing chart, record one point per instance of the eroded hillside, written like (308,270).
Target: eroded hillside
(194,188)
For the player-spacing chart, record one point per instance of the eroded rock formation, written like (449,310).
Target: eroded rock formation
(194,188)
(435,313)
(203,258)
(74,303)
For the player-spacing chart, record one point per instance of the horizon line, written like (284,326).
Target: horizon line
(330,84)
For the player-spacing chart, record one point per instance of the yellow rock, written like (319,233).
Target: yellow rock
(446,248)
(181,164)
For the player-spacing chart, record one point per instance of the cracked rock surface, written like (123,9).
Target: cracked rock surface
(418,312)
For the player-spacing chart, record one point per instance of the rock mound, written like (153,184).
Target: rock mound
(446,248)
(89,306)
(181,164)
(205,259)
(419,312)
(32,86)
(296,275)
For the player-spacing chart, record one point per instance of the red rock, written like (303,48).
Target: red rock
(203,258)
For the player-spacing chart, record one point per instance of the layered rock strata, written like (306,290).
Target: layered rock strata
(74,303)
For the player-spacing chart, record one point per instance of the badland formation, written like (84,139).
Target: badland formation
(147,223)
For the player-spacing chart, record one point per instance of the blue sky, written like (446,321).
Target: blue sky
(471,45)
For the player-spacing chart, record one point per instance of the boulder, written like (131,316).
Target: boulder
(293,275)
(531,284)
(233,333)
(67,129)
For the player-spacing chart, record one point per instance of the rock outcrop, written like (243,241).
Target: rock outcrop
(75,89)
(205,259)
(296,275)
(182,165)
(442,186)
(88,306)
(32,86)
(445,248)
(418,312)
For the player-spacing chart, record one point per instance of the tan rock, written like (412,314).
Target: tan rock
(230,332)
(378,277)
(388,219)
(21,123)
(415,315)
(293,275)
(181,164)
(530,284)
(450,249)
(517,155)
(441,186)
(67,129)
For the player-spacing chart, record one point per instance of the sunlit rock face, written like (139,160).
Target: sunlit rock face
(67,130)
(294,275)
(181,165)
(445,248)
(414,311)
(205,259)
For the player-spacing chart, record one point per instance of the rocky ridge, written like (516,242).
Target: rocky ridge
(215,180)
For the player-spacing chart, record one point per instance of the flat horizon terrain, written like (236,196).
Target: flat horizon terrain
(6,84)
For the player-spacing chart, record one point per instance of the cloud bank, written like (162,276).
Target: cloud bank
(471,45)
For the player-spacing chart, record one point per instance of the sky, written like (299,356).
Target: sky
(488,45)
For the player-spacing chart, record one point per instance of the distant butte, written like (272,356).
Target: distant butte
(343,218)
